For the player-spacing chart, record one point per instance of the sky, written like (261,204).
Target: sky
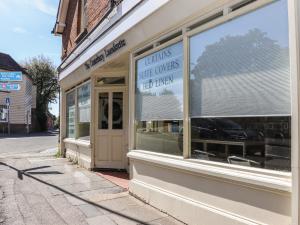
(26,27)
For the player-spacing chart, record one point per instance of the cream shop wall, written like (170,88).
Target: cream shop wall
(190,189)
(201,190)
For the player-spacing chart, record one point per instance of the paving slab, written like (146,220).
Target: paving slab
(101,220)
(41,189)
(90,210)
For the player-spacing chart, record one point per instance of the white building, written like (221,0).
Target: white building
(197,99)
(22,101)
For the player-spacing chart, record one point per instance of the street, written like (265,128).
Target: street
(28,144)
(37,188)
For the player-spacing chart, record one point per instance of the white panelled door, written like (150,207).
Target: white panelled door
(110,138)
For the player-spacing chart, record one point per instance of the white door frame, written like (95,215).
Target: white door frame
(111,89)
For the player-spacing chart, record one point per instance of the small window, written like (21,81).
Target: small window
(71,114)
(84,111)
(81,16)
(3,114)
(111,81)
(103,116)
(117,110)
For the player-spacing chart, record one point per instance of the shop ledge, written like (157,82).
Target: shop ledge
(252,177)
(78,142)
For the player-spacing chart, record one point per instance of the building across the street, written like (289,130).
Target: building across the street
(17,97)
(197,99)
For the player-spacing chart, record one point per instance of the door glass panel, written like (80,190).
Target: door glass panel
(117,110)
(103,111)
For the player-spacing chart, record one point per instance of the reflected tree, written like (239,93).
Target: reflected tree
(224,68)
(251,52)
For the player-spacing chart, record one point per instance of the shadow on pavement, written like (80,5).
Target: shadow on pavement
(22,173)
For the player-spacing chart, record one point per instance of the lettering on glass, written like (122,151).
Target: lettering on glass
(160,84)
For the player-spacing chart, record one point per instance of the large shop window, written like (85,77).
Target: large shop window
(240,100)
(84,111)
(71,114)
(159,101)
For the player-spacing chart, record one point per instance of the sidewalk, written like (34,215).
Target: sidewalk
(45,190)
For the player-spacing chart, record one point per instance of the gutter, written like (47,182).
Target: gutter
(58,23)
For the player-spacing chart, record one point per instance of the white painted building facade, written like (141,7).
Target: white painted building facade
(198,100)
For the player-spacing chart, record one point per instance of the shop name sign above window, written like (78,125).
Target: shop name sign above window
(101,57)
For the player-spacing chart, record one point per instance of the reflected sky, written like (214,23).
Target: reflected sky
(259,19)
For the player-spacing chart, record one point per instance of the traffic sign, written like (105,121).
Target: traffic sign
(11,76)
(9,87)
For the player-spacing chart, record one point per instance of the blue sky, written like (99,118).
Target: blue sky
(26,27)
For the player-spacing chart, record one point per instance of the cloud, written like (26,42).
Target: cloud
(19,30)
(44,7)
(41,5)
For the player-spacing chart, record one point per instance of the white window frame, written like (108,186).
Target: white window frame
(249,176)
(75,88)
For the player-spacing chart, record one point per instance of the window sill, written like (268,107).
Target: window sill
(82,143)
(257,178)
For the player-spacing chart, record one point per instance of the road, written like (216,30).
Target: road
(24,144)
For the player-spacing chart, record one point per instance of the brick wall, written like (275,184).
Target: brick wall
(95,10)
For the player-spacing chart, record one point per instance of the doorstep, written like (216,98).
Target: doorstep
(119,178)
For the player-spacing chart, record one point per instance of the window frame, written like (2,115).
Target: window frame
(75,89)
(258,175)
(77,109)
(81,16)
(75,93)
(134,69)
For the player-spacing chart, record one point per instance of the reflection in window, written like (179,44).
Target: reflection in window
(117,110)
(71,114)
(84,111)
(160,136)
(255,141)
(103,111)
(240,102)
(159,100)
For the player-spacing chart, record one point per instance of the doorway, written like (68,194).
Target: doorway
(111,128)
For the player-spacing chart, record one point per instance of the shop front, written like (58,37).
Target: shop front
(201,109)
(97,118)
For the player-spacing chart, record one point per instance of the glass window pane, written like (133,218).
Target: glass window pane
(71,114)
(240,100)
(3,114)
(110,81)
(160,136)
(159,101)
(241,67)
(103,111)
(117,111)
(263,142)
(159,85)
(84,111)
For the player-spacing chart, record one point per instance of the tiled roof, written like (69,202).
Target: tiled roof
(8,63)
